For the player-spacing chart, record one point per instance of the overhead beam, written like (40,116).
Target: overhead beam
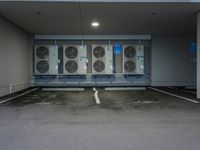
(92,37)
(106,0)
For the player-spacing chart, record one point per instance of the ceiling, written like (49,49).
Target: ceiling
(115,18)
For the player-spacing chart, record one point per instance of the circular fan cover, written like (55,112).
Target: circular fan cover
(71,66)
(98,52)
(129,52)
(129,66)
(42,52)
(99,66)
(42,66)
(71,52)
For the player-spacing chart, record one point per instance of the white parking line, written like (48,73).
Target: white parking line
(189,91)
(96,96)
(183,90)
(190,87)
(11,98)
(181,97)
(94,89)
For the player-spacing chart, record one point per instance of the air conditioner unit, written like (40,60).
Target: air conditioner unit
(133,59)
(102,59)
(75,59)
(46,59)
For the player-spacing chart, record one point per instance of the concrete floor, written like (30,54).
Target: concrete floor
(124,120)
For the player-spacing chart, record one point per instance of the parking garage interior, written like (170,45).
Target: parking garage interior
(94,75)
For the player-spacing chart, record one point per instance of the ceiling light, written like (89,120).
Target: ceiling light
(95,24)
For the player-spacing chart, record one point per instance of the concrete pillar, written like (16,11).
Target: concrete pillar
(198,55)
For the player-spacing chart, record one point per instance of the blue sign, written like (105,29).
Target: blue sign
(193,48)
(117,48)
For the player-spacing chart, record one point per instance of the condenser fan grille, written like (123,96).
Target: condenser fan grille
(99,52)
(71,66)
(42,52)
(99,66)
(129,52)
(71,52)
(129,66)
(42,66)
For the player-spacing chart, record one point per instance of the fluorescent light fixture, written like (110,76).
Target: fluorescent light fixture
(95,24)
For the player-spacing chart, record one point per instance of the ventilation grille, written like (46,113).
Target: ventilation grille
(71,52)
(99,52)
(71,66)
(42,52)
(99,66)
(129,52)
(129,66)
(42,66)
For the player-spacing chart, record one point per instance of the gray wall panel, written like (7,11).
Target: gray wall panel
(172,64)
(198,55)
(15,58)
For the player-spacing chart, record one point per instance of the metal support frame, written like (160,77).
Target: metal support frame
(92,37)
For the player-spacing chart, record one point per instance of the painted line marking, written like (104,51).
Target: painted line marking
(189,92)
(94,89)
(181,97)
(11,98)
(182,90)
(170,87)
(96,96)
(191,87)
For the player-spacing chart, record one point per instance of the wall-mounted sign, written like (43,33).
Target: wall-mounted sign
(192,47)
(117,47)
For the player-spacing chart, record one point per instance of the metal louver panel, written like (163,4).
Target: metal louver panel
(74,59)
(46,60)
(102,59)
(133,59)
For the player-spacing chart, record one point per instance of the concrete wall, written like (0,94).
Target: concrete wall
(198,55)
(171,62)
(15,58)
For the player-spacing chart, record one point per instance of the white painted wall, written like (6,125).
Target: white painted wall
(15,58)
(171,62)
(198,55)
